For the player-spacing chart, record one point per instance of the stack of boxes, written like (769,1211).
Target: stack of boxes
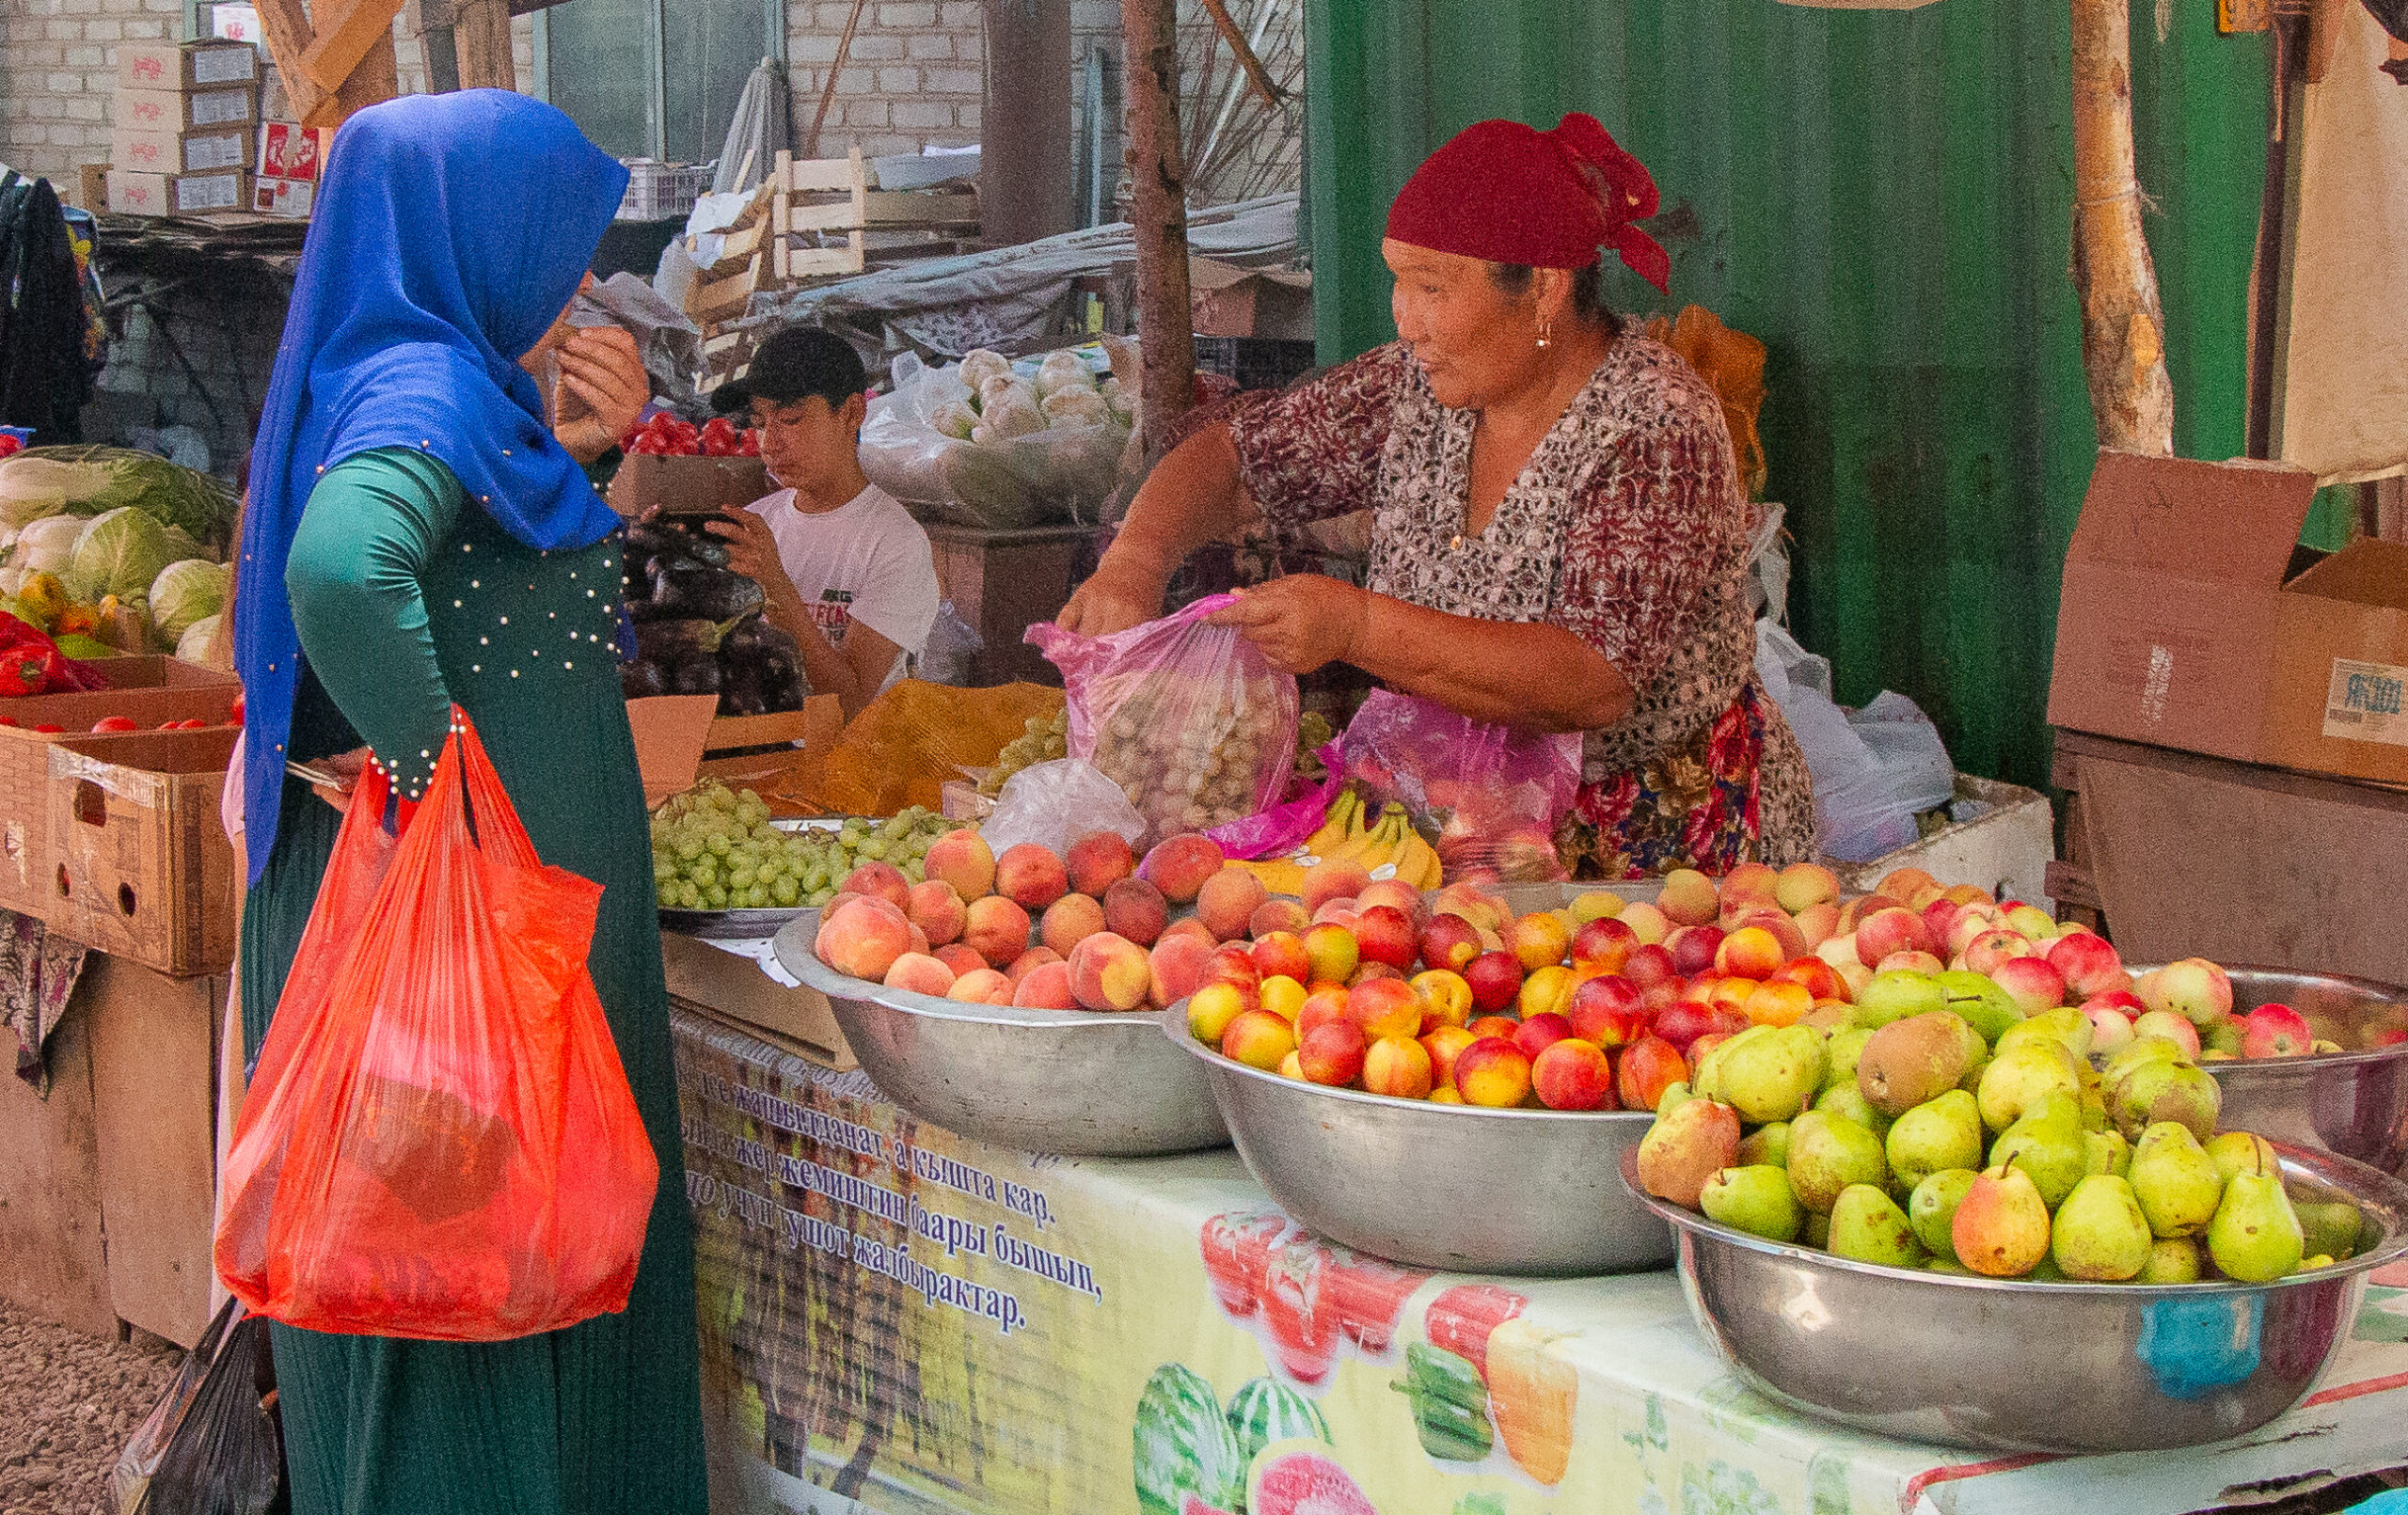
(291,154)
(185,136)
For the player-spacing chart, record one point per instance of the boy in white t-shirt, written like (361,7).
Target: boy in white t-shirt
(847,570)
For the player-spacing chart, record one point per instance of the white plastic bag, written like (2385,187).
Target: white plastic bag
(1859,813)
(1055,803)
(945,657)
(1025,466)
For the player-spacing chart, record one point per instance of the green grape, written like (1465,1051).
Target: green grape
(874,849)
(818,897)
(785,891)
(688,847)
(815,878)
(718,844)
(916,871)
(689,897)
(703,874)
(663,870)
(715,897)
(740,877)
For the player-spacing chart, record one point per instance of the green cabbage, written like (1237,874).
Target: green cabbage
(192,646)
(118,553)
(91,481)
(185,592)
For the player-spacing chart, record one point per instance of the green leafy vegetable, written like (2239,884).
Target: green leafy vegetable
(118,553)
(185,592)
(93,481)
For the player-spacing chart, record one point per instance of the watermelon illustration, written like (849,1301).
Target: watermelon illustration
(1193,1506)
(1303,1482)
(1267,1411)
(1184,1448)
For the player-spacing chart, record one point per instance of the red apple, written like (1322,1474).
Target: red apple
(2276,1030)
(1495,980)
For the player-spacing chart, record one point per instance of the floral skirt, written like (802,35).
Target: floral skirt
(1736,793)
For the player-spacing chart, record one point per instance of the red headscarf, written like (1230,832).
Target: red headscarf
(1513,194)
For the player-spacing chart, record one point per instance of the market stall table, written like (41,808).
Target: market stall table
(923,1323)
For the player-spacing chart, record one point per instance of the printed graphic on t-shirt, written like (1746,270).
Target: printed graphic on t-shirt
(833,615)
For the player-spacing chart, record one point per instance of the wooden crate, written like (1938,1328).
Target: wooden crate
(2184,854)
(52,1259)
(147,691)
(144,869)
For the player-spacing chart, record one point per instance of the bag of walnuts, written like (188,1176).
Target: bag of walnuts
(1191,721)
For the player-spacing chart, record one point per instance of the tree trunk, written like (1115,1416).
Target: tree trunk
(1165,321)
(2123,326)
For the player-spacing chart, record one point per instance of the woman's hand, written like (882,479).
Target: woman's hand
(343,766)
(1299,622)
(750,550)
(1116,596)
(603,389)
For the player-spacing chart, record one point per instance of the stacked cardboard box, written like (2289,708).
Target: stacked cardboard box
(186,133)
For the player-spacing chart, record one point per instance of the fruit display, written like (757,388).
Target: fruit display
(1190,752)
(1383,845)
(699,629)
(1089,931)
(714,848)
(666,434)
(1046,739)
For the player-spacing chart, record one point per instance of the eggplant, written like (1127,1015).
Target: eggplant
(709,593)
(641,679)
(641,612)
(669,640)
(740,690)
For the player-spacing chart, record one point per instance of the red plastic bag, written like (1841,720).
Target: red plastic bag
(1191,721)
(1488,796)
(439,1142)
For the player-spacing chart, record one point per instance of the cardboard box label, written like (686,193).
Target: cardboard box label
(217,107)
(218,150)
(235,24)
(288,152)
(2365,702)
(288,198)
(209,192)
(224,65)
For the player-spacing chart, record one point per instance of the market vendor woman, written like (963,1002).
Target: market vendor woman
(1560,541)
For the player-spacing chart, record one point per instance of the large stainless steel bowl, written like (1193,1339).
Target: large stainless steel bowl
(2023,1366)
(2354,1102)
(1038,1081)
(1532,1192)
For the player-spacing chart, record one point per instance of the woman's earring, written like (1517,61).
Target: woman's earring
(1546,330)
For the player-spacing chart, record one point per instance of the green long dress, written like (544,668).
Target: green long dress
(407,597)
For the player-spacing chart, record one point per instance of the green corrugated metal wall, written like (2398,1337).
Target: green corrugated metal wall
(1883,196)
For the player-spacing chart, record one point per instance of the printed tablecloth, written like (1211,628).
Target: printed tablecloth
(898,1319)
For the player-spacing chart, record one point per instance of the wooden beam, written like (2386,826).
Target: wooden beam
(2123,325)
(483,37)
(287,26)
(1165,325)
(828,91)
(341,35)
(1255,74)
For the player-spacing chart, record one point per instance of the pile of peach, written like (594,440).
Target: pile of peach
(1092,931)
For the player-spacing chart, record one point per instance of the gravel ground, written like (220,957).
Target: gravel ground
(68,1404)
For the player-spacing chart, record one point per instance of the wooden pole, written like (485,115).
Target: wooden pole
(1165,323)
(1024,189)
(2123,325)
(828,91)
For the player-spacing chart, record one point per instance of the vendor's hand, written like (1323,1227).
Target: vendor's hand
(1114,598)
(751,549)
(1300,621)
(346,767)
(603,389)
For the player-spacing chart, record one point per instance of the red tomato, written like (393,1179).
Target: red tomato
(234,717)
(1237,1249)
(1461,1320)
(115,723)
(1301,1311)
(47,728)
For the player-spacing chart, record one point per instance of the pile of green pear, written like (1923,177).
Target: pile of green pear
(1920,1144)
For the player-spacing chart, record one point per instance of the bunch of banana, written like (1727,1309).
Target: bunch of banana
(1349,834)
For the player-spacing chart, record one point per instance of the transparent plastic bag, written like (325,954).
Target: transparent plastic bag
(1488,796)
(1864,794)
(947,656)
(214,1444)
(1053,804)
(1192,723)
(916,445)
(439,1143)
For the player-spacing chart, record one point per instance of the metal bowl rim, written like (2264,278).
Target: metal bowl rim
(2395,1243)
(2373,989)
(1174,1024)
(815,974)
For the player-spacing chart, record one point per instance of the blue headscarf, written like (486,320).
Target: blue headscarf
(449,232)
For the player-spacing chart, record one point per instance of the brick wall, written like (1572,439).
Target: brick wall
(58,76)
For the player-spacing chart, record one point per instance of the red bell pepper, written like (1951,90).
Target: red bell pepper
(22,672)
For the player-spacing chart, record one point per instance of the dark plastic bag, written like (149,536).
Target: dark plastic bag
(214,1443)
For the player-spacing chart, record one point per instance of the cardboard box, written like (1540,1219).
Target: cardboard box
(688,486)
(236,24)
(1229,301)
(186,66)
(144,869)
(92,187)
(187,152)
(134,194)
(146,691)
(2184,623)
(2006,849)
(732,988)
(288,198)
(157,110)
(288,150)
(276,104)
(674,732)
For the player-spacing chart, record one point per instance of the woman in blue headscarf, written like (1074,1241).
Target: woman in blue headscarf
(417,535)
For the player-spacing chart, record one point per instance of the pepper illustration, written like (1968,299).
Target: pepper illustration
(1532,1392)
(1449,1405)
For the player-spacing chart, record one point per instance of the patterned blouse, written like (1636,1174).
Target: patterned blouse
(1626,528)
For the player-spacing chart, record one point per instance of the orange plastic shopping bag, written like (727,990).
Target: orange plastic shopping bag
(439,1140)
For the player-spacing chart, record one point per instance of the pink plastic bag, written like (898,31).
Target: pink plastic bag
(1488,796)
(1191,721)
(1282,828)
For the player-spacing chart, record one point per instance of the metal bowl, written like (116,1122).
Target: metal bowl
(2352,1102)
(2023,1366)
(1455,1188)
(727,925)
(1066,1082)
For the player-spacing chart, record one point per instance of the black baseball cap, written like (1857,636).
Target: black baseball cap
(795,363)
